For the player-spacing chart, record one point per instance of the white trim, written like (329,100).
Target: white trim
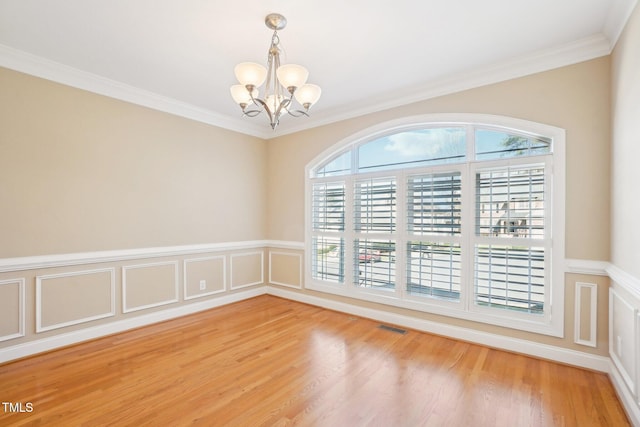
(593,307)
(289,285)
(40,281)
(574,52)
(625,280)
(283,244)
(626,376)
(125,307)
(637,338)
(21,308)
(203,294)
(585,266)
(559,56)
(60,73)
(543,351)
(66,260)
(74,337)
(624,394)
(617,19)
(244,285)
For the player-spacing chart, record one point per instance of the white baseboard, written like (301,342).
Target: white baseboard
(571,357)
(57,341)
(625,396)
(543,351)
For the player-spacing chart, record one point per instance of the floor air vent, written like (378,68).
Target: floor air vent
(392,329)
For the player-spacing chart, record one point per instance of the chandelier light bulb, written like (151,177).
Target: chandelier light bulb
(308,94)
(250,73)
(292,75)
(241,95)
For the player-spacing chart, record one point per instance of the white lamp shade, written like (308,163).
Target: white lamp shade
(240,94)
(250,73)
(292,75)
(308,94)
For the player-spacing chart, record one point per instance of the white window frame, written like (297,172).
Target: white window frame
(551,323)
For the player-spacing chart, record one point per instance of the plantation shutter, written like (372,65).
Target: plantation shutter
(375,205)
(510,206)
(434,204)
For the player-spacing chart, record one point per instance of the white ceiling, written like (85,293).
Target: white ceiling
(367,55)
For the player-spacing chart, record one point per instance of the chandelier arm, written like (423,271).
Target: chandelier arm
(298,113)
(267,110)
(283,106)
(251,113)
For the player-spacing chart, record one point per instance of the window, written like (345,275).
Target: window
(452,217)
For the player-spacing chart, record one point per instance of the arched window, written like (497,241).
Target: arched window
(457,215)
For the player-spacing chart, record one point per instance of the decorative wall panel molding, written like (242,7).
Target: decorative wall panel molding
(638,356)
(12,309)
(586,314)
(204,276)
(146,286)
(285,272)
(622,337)
(74,297)
(247,269)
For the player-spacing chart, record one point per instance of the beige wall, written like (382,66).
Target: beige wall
(82,172)
(576,98)
(625,204)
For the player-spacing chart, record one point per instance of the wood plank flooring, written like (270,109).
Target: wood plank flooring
(272,362)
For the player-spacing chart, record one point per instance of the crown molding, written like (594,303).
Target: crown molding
(571,53)
(556,57)
(617,20)
(37,66)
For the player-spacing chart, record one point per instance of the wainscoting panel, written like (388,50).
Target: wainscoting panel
(622,337)
(285,269)
(586,314)
(12,309)
(247,269)
(204,276)
(74,297)
(149,285)
(638,356)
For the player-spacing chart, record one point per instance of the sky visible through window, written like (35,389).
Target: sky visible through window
(413,148)
(433,146)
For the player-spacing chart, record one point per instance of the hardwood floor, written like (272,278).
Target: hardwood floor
(272,362)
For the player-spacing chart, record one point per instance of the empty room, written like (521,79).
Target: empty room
(365,213)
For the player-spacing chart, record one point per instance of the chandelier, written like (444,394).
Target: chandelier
(284,82)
